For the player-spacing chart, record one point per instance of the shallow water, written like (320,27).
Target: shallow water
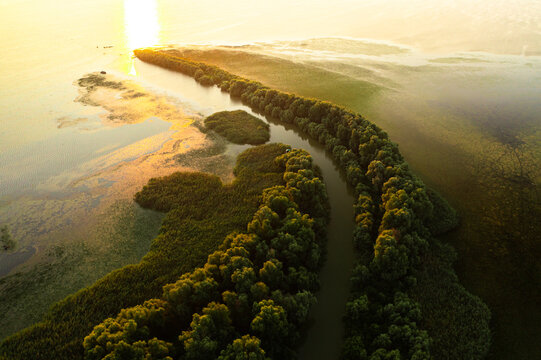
(444,89)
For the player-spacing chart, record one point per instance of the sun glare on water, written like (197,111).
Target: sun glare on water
(141,24)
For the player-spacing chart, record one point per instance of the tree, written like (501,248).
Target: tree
(272,327)
(272,274)
(390,258)
(357,313)
(354,348)
(264,222)
(128,336)
(245,348)
(209,332)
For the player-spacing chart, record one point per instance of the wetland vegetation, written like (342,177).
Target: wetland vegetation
(397,221)
(487,168)
(454,83)
(251,297)
(253,294)
(188,235)
(7,242)
(239,127)
(121,236)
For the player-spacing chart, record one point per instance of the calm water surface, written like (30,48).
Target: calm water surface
(458,75)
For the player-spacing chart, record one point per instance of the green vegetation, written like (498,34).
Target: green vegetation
(444,304)
(239,127)
(211,158)
(299,77)
(120,236)
(7,242)
(198,221)
(397,219)
(252,296)
(474,161)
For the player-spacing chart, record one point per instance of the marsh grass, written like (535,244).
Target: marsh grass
(209,159)
(455,319)
(201,212)
(289,76)
(122,236)
(239,127)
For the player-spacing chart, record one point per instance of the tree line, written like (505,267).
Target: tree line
(200,212)
(250,299)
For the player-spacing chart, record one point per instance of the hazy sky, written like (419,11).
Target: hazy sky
(436,25)
(499,26)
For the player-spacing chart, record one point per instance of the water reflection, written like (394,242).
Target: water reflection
(141,25)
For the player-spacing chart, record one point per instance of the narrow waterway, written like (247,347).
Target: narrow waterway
(325,336)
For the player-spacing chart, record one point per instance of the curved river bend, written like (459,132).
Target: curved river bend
(325,336)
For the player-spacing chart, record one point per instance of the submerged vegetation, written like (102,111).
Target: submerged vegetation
(239,127)
(397,221)
(189,233)
(120,236)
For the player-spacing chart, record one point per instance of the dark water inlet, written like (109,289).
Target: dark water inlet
(325,336)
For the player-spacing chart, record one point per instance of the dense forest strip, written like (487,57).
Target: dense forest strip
(251,298)
(397,221)
(209,212)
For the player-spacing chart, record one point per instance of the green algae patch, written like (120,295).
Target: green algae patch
(239,127)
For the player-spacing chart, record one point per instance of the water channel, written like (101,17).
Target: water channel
(325,335)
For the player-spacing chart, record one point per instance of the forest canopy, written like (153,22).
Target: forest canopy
(200,212)
(239,127)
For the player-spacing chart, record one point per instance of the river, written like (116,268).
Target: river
(324,338)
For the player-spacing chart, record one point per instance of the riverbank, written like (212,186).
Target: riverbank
(334,275)
(451,154)
(388,266)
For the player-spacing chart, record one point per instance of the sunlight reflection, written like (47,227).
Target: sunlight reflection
(142,25)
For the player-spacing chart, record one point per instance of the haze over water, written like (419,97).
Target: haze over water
(453,71)
(49,44)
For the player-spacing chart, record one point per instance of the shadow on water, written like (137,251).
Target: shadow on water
(9,261)
(325,336)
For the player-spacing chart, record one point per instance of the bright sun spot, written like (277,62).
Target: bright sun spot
(141,24)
